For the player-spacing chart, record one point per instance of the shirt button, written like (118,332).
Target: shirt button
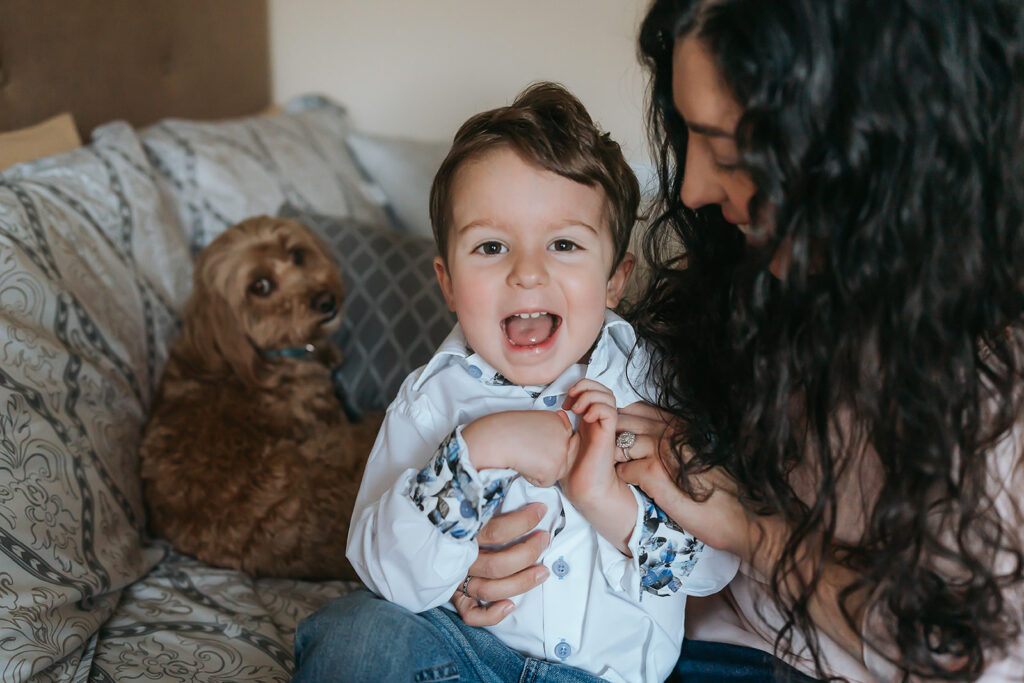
(563,650)
(550,400)
(560,567)
(474,371)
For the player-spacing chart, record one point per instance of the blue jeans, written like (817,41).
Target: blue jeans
(360,637)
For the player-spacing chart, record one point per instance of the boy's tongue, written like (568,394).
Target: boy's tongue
(529,331)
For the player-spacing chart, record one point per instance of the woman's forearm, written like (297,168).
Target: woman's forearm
(824,604)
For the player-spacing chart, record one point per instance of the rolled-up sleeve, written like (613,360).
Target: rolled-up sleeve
(671,560)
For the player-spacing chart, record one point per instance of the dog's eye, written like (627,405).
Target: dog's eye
(262,287)
(298,256)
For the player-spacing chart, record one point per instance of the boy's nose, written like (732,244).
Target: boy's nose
(528,271)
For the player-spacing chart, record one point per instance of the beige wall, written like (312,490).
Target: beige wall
(420,67)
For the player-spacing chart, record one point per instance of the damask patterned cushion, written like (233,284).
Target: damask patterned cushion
(92,271)
(188,622)
(394,316)
(217,173)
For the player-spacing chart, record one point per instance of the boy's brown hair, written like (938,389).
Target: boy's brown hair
(547,126)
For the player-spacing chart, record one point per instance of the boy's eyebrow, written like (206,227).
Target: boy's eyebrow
(708,131)
(563,224)
(481,223)
(588,226)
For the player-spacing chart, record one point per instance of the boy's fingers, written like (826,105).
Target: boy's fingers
(588,398)
(509,526)
(600,412)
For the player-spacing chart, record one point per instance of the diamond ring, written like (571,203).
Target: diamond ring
(625,441)
(465,585)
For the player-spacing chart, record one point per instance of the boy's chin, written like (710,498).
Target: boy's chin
(529,377)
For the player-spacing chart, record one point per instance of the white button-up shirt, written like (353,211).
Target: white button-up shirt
(421,502)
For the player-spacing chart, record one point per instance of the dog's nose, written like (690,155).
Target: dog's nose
(324,302)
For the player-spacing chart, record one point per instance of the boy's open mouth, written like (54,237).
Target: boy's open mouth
(530,329)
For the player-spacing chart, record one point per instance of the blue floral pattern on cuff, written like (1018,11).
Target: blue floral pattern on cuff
(454,500)
(667,554)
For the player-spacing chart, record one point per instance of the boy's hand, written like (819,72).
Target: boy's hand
(536,443)
(592,477)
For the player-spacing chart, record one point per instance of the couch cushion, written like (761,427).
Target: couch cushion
(394,315)
(217,173)
(188,622)
(92,270)
(404,169)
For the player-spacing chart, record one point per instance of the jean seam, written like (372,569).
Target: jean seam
(444,672)
(529,674)
(453,630)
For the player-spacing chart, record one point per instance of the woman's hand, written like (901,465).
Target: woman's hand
(721,520)
(501,574)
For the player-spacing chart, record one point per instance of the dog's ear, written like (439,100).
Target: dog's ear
(214,336)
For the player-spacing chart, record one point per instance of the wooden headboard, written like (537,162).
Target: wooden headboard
(137,60)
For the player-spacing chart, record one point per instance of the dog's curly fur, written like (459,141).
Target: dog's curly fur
(248,460)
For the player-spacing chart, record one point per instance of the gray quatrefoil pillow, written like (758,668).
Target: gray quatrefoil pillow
(394,315)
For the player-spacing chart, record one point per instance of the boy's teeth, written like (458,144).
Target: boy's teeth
(532,315)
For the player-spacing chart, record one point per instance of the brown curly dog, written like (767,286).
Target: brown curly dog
(248,460)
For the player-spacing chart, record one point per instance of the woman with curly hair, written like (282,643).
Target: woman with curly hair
(840,337)
(840,332)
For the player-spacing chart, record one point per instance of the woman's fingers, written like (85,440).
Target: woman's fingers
(509,526)
(509,560)
(485,601)
(474,613)
(648,412)
(492,590)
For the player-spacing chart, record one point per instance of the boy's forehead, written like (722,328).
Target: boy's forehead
(499,188)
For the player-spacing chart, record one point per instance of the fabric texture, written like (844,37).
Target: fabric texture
(90,282)
(217,173)
(404,169)
(419,507)
(394,314)
(360,637)
(93,271)
(186,622)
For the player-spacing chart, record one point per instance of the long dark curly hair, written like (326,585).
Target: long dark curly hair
(886,141)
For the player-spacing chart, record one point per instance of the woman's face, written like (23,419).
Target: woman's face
(711,174)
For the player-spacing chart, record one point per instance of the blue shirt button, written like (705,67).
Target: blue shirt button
(560,567)
(467,509)
(474,371)
(550,400)
(563,650)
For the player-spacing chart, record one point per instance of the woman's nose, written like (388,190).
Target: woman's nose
(699,187)
(528,271)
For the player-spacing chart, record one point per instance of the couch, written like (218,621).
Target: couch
(96,247)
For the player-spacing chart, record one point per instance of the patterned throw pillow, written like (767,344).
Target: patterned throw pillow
(92,272)
(394,316)
(217,173)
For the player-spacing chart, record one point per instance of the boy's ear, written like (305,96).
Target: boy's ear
(444,279)
(617,282)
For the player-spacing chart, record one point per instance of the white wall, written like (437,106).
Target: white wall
(419,68)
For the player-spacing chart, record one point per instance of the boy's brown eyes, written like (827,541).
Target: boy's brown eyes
(490,248)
